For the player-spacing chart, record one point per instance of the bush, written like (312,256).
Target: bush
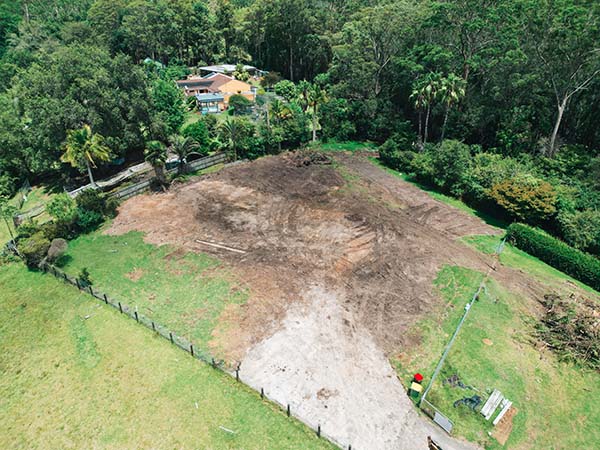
(581,229)
(88,220)
(556,253)
(451,162)
(198,132)
(527,199)
(62,208)
(27,229)
(34,249)
(238,104)
(58,247)
(84,277)
(91,200)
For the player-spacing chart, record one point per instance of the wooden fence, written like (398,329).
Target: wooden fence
(129,191)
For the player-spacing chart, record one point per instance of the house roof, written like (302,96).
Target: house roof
(194,83)
(235,86)
(211,97)
(225,68)
(217,80)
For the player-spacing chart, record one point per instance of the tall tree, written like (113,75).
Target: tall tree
(183,147)
(564,40)
(83,148)
(451,91)
(316,96)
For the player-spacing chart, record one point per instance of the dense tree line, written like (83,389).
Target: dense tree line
(515,81)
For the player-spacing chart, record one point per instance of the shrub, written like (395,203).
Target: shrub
(58,247)
(556,253)
(91,200)
(451,162)
(527,199)
(489,169)
(198,132)
(238,104)
(62,208)
(581,229)
(88,220)
(34,249)
(27,229)
(84,277)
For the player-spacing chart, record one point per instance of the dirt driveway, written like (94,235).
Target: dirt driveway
(339,258)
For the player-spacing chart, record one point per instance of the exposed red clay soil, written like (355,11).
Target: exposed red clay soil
(292,220)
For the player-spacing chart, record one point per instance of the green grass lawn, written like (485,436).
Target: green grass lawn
(495,349)
(346,146)
(513,257)
(76,374)
(556,402)
(184,291)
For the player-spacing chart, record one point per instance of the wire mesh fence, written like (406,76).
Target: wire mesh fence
(186,345)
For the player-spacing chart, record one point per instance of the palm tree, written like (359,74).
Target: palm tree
(156,155)
(83,148)
(451,91)
(418,97)
(279,111)
(228,130)
(425,93)
(316,96)
(183,148)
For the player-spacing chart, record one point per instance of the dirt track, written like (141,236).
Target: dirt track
(290,230)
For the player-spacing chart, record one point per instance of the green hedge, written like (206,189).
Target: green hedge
(556,253)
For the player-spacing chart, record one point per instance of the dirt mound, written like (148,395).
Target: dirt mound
(293,219)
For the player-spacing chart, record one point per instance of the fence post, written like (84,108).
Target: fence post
(153,327)
(65,276)
(91,291)
(288,410)
(262,393)
(120,308)
(319,430)
(136,316)
(237,373)
(192,349)
(77,281)
(105,299)
(171,337)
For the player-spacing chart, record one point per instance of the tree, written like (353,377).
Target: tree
(156,154)
(238,105)
(286,89)
(7,212)
(418,97)
(228,131)
(83,148)
(167,99)
(316,96)
(183,147)
(565,37)
(63,209)
(425,93)
(451,91)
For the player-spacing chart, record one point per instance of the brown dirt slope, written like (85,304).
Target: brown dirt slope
(294,219)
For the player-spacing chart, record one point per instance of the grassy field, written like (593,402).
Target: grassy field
(518,259)
(496,349)
(76,374)
(347,146)
(184,291)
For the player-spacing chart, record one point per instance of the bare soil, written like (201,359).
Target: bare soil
(379,240)
(339,258)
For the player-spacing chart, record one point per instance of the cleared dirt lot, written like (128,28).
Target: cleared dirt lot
(339,257)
